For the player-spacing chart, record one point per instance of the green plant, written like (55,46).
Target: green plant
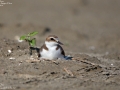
(28,38)
(31,41)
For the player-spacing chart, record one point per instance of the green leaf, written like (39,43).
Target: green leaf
(32,34)
(23,37)
(33,42)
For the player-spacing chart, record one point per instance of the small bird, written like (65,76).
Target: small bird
(51,49)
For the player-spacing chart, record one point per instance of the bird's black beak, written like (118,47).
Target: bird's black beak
(60,43)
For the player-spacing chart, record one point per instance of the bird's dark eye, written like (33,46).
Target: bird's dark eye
(52,39)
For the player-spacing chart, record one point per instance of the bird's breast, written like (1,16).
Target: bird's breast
(51,53)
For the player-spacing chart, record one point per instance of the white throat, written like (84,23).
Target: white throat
(50,44)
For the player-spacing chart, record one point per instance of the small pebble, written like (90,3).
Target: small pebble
(12,58)
(9,51)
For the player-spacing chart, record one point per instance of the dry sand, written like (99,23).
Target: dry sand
(90,31)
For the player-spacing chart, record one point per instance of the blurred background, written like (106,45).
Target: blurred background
(84,26)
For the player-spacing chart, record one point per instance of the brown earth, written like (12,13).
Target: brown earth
(89,30)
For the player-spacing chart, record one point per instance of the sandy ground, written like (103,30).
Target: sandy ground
(89,30)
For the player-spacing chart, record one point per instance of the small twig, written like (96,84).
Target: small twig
(68,72)
(33,61)
(55,62)
(88,62)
